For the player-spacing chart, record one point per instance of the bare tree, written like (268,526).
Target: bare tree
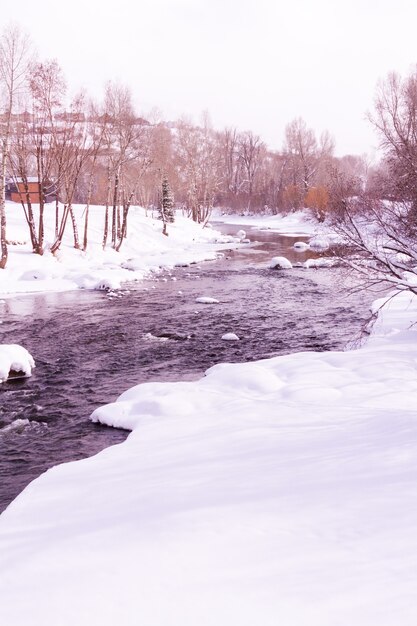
(279,165)
(306,156)
(198,160)
(14,58)
(128,158)
(382,250)
(96,136)
(22,164)
(395,120)
(34,142)
(72,149)
(162,160)
(48,88)
(382,227)
(301,147)
(251,151)
(231,170)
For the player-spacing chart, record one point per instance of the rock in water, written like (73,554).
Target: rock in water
(230,337)
(280,263)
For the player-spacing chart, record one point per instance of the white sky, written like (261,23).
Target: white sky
(254,64)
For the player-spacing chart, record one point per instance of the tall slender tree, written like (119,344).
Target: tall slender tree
(34,145)
(127,159)
(14,59)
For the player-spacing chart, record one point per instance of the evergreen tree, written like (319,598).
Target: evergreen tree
(167,202)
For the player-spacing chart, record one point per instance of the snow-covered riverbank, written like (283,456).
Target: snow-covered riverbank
(273,492)
(280,491)
(145,250)
(298,222)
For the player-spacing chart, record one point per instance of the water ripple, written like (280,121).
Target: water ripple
(89,348)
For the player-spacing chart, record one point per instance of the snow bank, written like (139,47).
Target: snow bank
(279,491)
(320,262)
(296,223)
(144,251)
(14,358)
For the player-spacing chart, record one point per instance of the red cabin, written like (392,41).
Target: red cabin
(16,190)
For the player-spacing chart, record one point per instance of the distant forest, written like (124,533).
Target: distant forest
(104,152)
(99,151)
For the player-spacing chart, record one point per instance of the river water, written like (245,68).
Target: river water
(91,346)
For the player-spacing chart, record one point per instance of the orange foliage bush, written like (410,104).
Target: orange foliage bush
(317,198)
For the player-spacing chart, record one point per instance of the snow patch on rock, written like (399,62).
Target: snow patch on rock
(320,242)
(280,262)
(15,358)
(301,245)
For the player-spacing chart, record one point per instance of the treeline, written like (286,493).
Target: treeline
(101,152)
(93,152)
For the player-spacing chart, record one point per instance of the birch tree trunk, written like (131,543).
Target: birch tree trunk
(3,242)
(106,214)
(14,56)
(114,212)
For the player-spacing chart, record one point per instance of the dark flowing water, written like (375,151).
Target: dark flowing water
(91,346)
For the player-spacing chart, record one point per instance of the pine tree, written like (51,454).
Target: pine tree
(167,202)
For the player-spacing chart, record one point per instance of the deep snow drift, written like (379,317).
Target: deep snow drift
(281,491)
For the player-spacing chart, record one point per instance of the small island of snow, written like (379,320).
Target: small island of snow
(301,245)
(230,337)
(15,358)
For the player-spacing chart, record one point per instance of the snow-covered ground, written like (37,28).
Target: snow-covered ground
(145,250)
(274,492)
(281,491)
(298,222)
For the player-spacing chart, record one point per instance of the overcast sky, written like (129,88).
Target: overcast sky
(253,64)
